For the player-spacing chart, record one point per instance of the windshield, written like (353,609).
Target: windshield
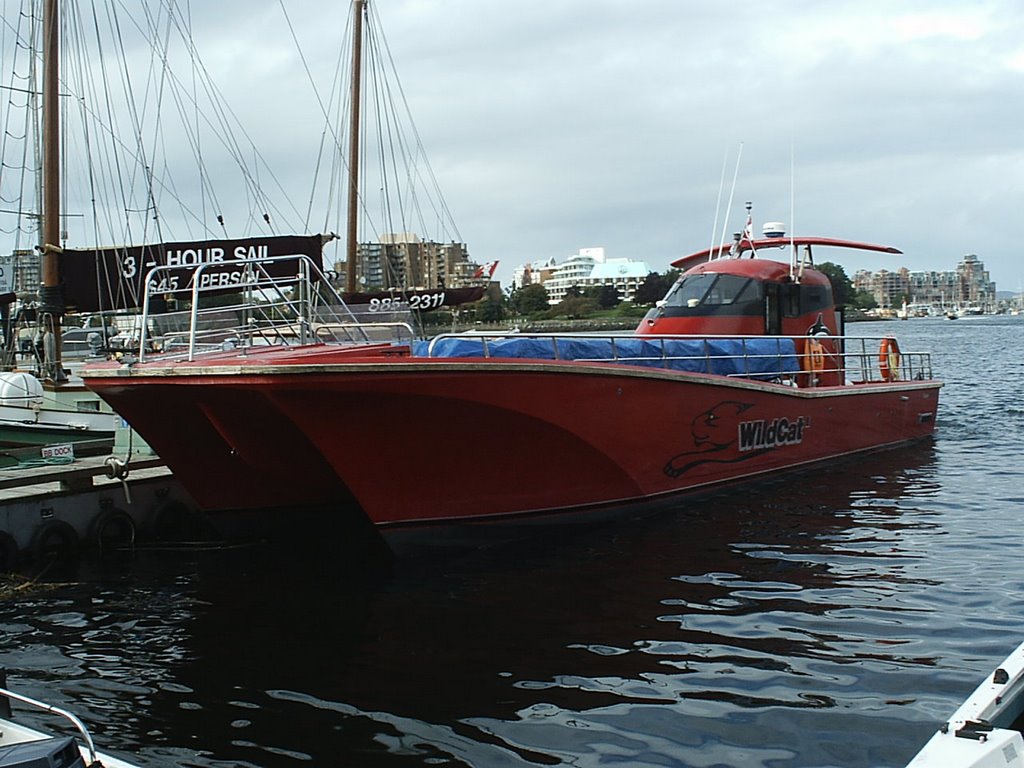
(712,290)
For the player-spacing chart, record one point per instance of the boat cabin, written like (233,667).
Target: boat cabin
(745,297)
(735,296)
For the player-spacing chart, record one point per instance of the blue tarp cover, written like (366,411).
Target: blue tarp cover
(754,357)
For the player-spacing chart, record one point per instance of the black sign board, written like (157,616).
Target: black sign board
(112,278)
(422,299)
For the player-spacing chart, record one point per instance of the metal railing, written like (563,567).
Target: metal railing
(299,308)
(287,300)
(70,717)
(862,355)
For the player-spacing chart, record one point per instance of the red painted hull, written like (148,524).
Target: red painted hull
(417,440)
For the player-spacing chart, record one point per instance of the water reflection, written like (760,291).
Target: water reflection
(825,618)
(686,637)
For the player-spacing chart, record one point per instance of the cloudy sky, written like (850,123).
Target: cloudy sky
(557,125)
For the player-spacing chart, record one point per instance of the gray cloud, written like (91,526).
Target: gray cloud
(575,123)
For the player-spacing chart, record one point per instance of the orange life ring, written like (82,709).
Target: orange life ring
(889,359)
(814,356)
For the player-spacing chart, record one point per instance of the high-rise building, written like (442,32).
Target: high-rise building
(27,269)
(968,285)
(403,260)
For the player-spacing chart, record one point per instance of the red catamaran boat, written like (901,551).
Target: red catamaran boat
(288,399)
(742,370)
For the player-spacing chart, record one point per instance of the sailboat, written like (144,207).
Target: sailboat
(42,399)
(398,295)
(743,370)
(40,404)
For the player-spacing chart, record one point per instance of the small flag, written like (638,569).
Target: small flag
(487,270)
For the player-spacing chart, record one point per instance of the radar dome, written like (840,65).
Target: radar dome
(21,389)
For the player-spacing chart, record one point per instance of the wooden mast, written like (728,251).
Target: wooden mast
(50,297)
(359,7)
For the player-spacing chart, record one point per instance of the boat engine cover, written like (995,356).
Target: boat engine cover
(46,753)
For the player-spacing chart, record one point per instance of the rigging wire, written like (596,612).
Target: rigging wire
(329,122)
(25,163)
(420,149)
(718,205)
(224,124)
(732,193)
(186,99)
(105,182)
(121,149)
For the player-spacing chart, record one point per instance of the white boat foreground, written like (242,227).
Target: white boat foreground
(24,746)
(983,732)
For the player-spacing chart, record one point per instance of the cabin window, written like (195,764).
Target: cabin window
(800,299)
(815,297)
(711,291)
(749,293)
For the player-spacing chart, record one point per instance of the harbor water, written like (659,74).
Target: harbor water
(833,617)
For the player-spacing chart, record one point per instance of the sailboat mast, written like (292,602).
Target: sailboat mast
(50,293)
(359,7)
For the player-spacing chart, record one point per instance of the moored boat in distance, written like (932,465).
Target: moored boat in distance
(31,414)
(743,370)
(985,731)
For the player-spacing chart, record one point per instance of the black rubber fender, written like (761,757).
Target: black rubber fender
(174,521)
(8,552)
(55,541)
(112,528)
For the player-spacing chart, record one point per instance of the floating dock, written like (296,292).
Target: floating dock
(51,508)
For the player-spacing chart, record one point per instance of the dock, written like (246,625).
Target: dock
(81,474)
(54,509)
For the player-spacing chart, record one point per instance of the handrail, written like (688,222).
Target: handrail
(57,711)
(301,307)
(301,311)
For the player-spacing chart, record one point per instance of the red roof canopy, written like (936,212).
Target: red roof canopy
(779,242)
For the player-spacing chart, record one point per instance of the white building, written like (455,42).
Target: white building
(536,272)
(572,273)
(591,268)
(625,274)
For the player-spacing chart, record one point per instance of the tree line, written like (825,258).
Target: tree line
(532,301)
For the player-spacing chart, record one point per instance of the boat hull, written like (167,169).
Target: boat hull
(12,733)
(17,434)
(984,732)
(417,440)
